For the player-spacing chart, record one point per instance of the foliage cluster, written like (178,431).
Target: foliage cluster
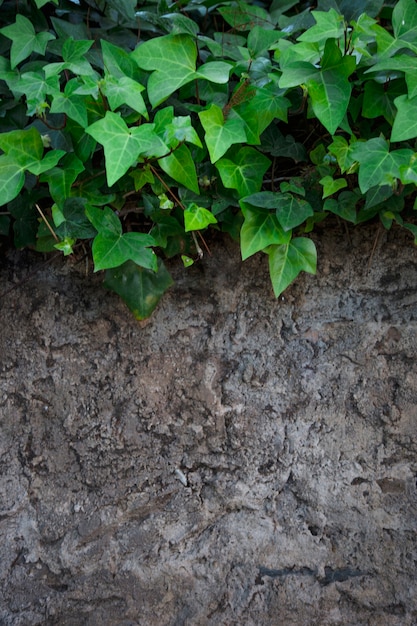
(133,128)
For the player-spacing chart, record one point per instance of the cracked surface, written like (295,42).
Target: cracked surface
(235,460)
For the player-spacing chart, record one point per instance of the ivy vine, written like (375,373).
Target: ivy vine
(130,128)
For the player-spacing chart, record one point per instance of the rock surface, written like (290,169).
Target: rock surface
(235,460)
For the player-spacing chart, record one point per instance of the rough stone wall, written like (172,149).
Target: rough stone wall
(236,460)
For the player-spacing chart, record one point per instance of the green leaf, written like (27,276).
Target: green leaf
(260,40)
(242,16)
(344,206)
(123,90)
(25,147)
(75,50)
(35,87)
(215,72)
(123,145)
(332,185)
(329,25)
(76,225)
(187,261)
(180,166)
(180,129)
(173,61)
(259,230)
(286,261)
(41,3)
(12,179)
(60,179)
(244,171)
(141,289)
(220,134)
(25,40)
(197,217)
(379,100)
(142,176)
(65,246)
(258,111)
(291,211)
(112,248)
(328,86)
(71,104)
(405,123)
(25,216)
(117,61)
(379,166)
(404,20)
(104,220)
(342,150)
(126,8)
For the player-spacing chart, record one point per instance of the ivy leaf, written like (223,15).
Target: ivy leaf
(405,123)
(243,16)
(142,176)
(379,166)
(259,230)
(220,134)
(123,145)
(73,53)
(332,185)
(117,61)
(12,179)
(180,129)
(140,288)
(257,112)
(197,217)
(25,147)
(286,261)
(342,150)
(126,8)
(41,3)
(35,87)
(25,40)
(244,171)
(180,166)
(291,211)
(111,251)
(379,100)
(172,60)
(71,104)
(215,72)
(124,90)
(60,179)
(328,86)
(404,21)
(329,25)
(49,161)
(344,206)
(112,248)
(76,225)
(403,63)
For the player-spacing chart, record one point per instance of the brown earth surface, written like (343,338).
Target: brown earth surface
(235,460)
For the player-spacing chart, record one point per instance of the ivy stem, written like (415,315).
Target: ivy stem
(167,187)
(51,230)
(178,201)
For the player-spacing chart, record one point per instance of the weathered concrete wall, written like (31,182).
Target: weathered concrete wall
(236,460)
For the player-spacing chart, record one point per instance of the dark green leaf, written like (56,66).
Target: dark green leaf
(140,288)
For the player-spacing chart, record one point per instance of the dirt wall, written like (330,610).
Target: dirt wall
(235,460)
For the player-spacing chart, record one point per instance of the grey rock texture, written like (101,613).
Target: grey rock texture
(235,460)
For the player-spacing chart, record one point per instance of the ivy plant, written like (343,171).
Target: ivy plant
(130,130)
